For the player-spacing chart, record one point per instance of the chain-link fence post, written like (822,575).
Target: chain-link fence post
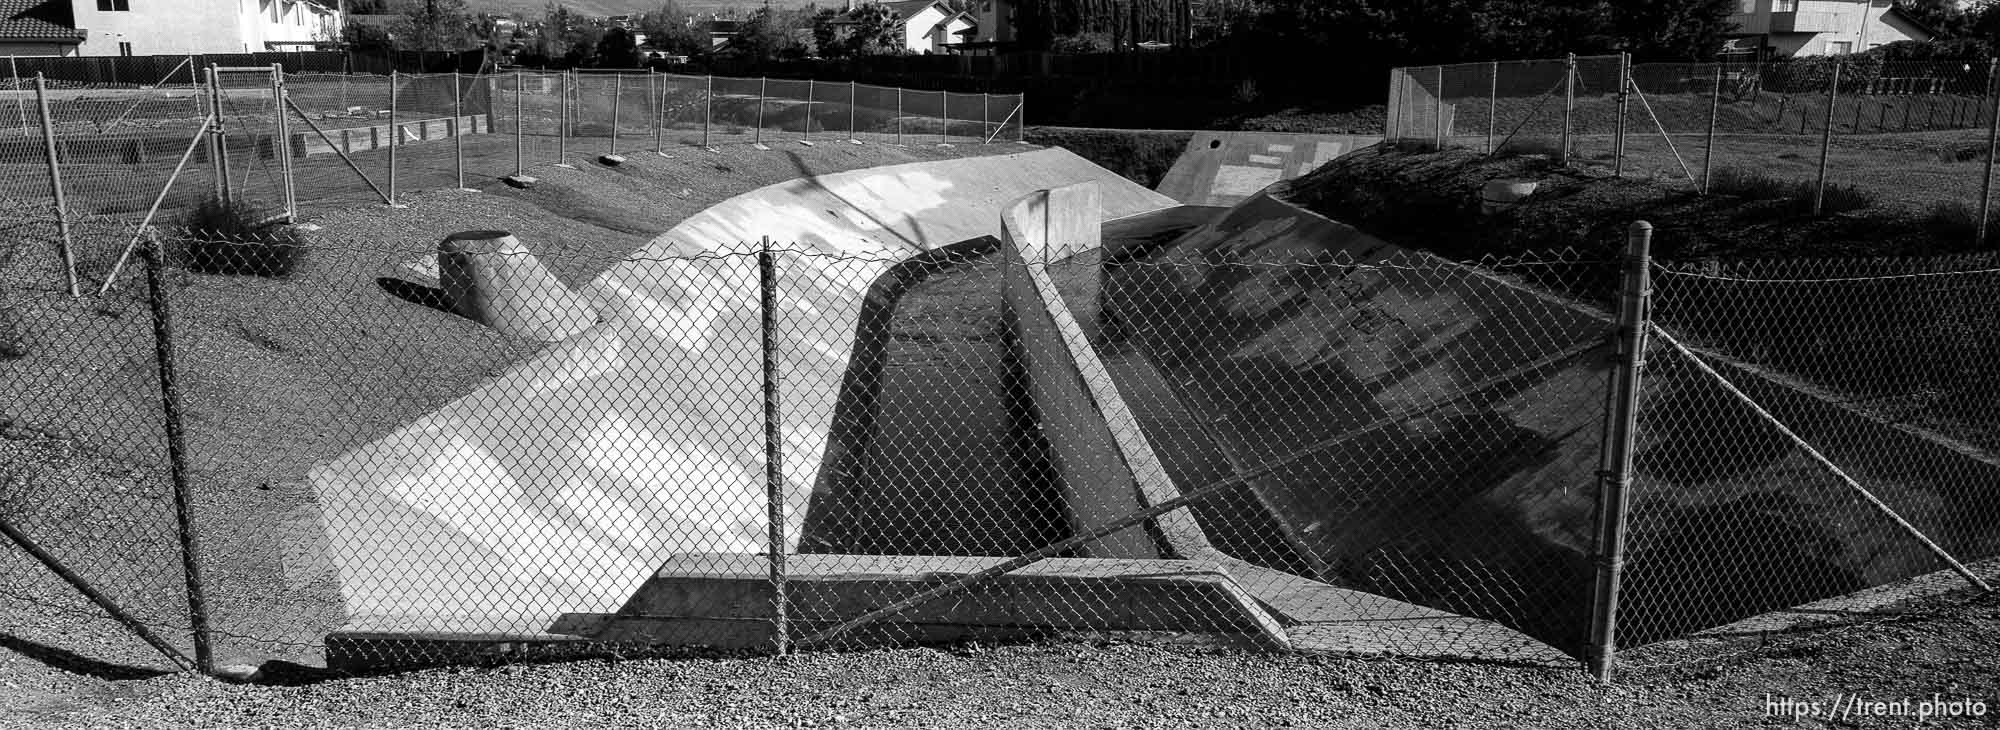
(944,130)
(852,102)
(61,198)
(458,129)
(774,474)
(563,110)
(617,105)
(707,108)
(1992,146)
(219,151)
(281,122)
(656,95)
(757,138)
(520,126)
(1616,449)
(20,107)
(810,88)
(985,118)
(1437,121)
(170,401)
(1492,104)
(1826,137)
(395,138)
(899,115)
(1021,131)
(1619,126)
(1714,121)
(1569,104)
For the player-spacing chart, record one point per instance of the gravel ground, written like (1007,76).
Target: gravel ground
(1949,645)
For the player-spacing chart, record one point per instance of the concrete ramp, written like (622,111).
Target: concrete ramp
(1226,168)
(562,485)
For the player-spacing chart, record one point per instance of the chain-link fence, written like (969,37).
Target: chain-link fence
(414,452)
(92,167)
(1846,132)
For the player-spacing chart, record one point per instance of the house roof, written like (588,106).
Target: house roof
(30,20)
(1908,17)
(907,9)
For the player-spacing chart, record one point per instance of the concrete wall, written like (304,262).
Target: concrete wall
(1098,485)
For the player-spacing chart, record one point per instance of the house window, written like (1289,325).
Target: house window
(124,49)
(109,6)
(1785,6)
(1836,48)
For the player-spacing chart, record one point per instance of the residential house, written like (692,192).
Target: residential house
(165,27)
(1784,28)
(930,26)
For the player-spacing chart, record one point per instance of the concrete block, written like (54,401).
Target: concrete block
(492,278)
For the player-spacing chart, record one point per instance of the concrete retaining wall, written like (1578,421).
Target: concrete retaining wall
(1107,467)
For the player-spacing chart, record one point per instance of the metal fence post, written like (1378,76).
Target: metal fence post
(774,474)
(758,136)
(457,130)
(852,101)
(68,246)
(1569,103)
(1992,146)
(707,107)
(170,402)
(223,189)
(1492,104)
(944,130)
(395,138)
(20,107)
(656,92)
(899,115)
(283,148)
(1714,119)
(1826,138)
(520,127)
(986,116)
(1624,103)
(1617,446)
(1437,122)
(809,109)
(562,125)
(617,97)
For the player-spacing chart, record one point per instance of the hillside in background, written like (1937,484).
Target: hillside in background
(601,8)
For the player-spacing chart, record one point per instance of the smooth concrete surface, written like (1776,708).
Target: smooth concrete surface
(1412,425)
(1173,451)
(1226,168)
(560,486)
(490,277)
(728,600)
(1103,460)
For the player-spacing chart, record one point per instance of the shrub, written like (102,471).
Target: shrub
(1952,217)
(232,239)
(1960,152)
(1753,185)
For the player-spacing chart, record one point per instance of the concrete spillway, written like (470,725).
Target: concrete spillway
(561,485)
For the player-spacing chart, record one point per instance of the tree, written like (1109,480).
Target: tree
(672,29)
(770,34)
(617,49)
(435,25)
(877,30)
(1948,17)
(833,34)
(1678,30)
